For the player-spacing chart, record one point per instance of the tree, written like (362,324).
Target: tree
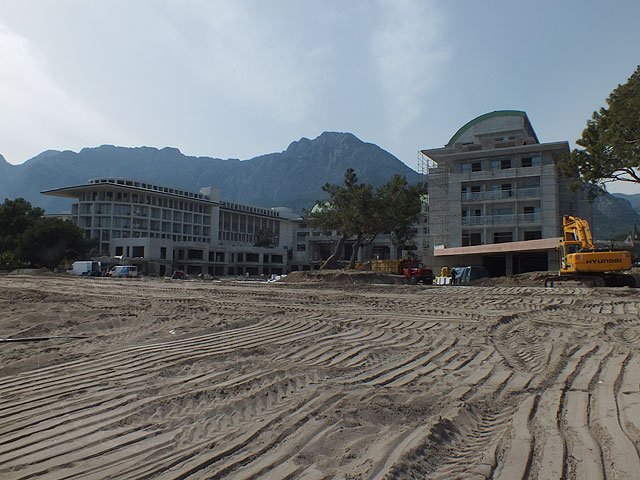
(50,240)
(16,216)
(401,204)
(356,210)
(27,238)
(610,144)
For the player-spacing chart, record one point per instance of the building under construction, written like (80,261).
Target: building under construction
(495,197)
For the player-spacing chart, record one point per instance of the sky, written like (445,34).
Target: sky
(241,78)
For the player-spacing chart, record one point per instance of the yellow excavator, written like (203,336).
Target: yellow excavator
(582,262)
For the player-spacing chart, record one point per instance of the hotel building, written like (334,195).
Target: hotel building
(495,197)
(175,229)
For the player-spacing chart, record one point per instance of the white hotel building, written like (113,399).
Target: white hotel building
(175,229)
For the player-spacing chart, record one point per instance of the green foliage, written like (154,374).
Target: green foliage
(8,261)
(610,144)
(16,216)
(350,209)
(27,238)
(401,205)
(357,210)
(49,241)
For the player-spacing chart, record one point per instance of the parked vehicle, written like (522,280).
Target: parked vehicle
(415,272)
(86,269)
(471,273)
(124,271)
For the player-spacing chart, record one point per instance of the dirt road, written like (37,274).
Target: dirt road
(207,380)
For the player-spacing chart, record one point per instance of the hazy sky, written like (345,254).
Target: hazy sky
(240,78)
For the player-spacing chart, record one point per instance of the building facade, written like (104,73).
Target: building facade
(174,229)
(494,188)
(495,199)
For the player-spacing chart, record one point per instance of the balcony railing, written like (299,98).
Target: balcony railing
(529,218)
(520,193)
(508,219)
(528,192)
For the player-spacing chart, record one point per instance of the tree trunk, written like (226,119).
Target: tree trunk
(354,252)
(332,262)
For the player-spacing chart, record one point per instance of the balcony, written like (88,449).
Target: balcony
(521,193)
(529,218)
(477,196)
(509,219)
(528,192)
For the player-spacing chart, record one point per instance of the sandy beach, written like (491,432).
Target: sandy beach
(316,380)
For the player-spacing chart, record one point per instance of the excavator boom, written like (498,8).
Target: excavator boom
(577,229)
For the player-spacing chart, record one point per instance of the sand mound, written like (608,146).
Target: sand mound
(343,277)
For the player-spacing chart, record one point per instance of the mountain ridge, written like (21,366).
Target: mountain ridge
(292,177)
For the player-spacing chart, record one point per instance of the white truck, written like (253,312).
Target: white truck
(86,268)
(124,271)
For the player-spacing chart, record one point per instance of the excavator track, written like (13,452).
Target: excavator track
(595,280)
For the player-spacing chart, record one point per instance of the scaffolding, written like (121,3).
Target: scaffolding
(434,222)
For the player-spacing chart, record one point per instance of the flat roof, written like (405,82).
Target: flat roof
(540,245)
(445,153)
(73,191)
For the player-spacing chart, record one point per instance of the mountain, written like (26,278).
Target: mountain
(6,170)
(633,199)
(292,178)
(613,216)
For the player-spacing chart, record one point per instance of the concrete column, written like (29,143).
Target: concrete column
(509,264)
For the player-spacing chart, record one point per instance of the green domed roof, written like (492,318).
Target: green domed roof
(497,113)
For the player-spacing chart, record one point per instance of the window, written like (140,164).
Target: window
(532,161)
(301,247)
(533,235)
(471,238)
(502,237)
(476,167)
(138,251)
(529,214)
(163,252)
(475,188)
(500,163)
(193,254)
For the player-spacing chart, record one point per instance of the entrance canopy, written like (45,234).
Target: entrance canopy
(543,244)
(504,258)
